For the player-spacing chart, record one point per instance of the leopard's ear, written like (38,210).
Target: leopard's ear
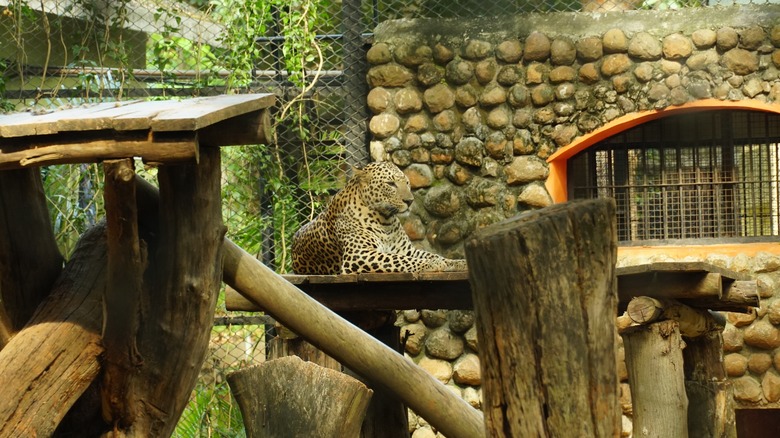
(358,174)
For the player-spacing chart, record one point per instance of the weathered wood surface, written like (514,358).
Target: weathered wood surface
(29,258)
(157,131)
(126,262)
(738,296)
(182,283)
(544,295)
(166,115)
(350,345)
(693,285)
(692,322)
(54,358)
(710,401)
(451,290)
(655,374)
(288,397)
(98,146)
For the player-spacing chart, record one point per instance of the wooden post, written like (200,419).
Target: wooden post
(121,299)
(655,373)
(711,405)
(288,397)
(181,287)
(545,298)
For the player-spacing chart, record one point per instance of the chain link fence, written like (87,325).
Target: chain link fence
(309,53)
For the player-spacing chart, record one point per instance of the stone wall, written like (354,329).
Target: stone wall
(470,110)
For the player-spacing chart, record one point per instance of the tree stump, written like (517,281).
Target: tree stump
(544,291)
(655,374)
(288,397)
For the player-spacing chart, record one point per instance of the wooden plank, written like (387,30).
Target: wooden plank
(202,112)
(251,128)
(160,115)
(682,267)
(670,284)
(141,114)
(84,118)
(347,294)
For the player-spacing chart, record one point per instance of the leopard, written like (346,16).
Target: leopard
(360,231)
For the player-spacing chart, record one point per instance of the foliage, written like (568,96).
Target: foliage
(210,412)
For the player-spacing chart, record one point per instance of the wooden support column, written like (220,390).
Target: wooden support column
(122,296)
(288,397)
(29,258)
(711,405)
(655,373)
(182,284)
(545,298)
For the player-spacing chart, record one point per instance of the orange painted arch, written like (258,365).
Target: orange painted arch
(556,181)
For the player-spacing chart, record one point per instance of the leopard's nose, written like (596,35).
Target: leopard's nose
(409,201)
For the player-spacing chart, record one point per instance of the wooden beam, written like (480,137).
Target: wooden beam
(710,395)
(544,289)
(692,322)
(676,285)
(738,296)
(386,291)
(250,128)
(92,147)
(350,345)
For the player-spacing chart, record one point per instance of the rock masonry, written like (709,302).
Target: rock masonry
(471,109)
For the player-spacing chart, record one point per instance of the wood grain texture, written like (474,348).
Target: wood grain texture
(166,115)
(655,373)
(544,293)
(122,296)
(46,367)
(288,397)
(181,288)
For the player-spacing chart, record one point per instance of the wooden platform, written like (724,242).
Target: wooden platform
(156,131)
(697,284)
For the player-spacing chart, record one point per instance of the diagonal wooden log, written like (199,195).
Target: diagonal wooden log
(54,358)
(331,333)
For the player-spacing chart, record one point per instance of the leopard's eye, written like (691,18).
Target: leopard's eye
(392,184)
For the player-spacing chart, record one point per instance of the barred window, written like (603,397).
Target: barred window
(702,175)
